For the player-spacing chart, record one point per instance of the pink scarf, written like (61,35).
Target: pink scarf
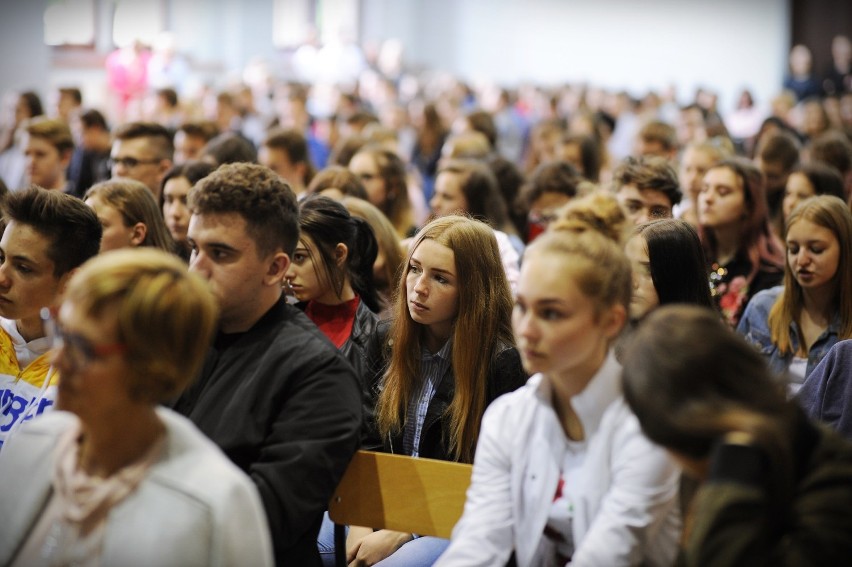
(85,501)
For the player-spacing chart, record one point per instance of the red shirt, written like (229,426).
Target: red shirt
(335,321)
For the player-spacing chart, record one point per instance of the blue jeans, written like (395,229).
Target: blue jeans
(420,552)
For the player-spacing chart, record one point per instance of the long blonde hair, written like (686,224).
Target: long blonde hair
(484,313)
(832,213)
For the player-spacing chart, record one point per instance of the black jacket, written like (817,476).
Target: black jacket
(738,519)
(505,374)
(284,406)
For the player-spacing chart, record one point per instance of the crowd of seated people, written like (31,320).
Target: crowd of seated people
(590,297)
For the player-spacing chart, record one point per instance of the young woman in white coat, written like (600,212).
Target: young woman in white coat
(562,472)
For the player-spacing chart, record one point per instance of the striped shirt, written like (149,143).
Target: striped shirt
(433,369)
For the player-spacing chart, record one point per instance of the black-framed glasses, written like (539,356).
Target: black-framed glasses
(79,350)
(130,162)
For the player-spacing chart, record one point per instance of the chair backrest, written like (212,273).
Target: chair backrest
(395,492)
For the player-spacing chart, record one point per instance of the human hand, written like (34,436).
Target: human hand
(374,547)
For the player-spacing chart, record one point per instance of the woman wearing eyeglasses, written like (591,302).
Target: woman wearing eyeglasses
(114,479)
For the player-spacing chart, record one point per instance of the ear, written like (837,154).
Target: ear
(165,166)
(614,319)
(277,267)
(138,232)
(341,253)
(65,158)
(301,170)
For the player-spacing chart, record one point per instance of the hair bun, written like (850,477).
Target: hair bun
(599,212)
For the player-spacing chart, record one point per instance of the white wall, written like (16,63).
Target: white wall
(23,56)
(619,44)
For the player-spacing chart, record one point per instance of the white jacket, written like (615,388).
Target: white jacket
(194,507)
(628,512)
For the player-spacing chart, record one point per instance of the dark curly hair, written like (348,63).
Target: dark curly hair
(259,196)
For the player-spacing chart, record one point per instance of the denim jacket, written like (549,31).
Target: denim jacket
(754,326)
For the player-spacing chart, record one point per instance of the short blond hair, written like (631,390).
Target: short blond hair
(165,315)
(55,131)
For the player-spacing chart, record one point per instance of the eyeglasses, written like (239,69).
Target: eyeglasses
(129,162)
(79,350)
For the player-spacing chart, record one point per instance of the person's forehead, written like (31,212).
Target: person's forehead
(276,155)
(134,147)
(549,200)
(39,142)
(230,227)
(21,239)
(183,137)
(647,195)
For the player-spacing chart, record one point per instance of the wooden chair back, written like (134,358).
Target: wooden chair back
(395,492)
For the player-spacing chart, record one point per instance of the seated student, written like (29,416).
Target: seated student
(142,151)
(668,267)
(90,160)
(657,138)
(336,181)
(384,177)
(47,153)
(468,187)
(332,275)
(562,473)
(776,157)
(775,488)
(826,395)
(191,137)
(743,254)
(176,185)
(583,151)
(550,186)
(444,357)
(647,188)
(274,394)
(696,160)
(810,180)
(114,479)
(286,153)
(794,325)
(229,147)
(48,235)
(390,256)
(129,215)
(834,148)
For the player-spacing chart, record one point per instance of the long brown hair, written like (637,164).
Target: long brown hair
(831,213)
(484,313)
(763,248)
(135,202)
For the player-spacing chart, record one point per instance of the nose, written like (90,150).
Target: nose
(803,258)
(420,287)
(198,264)
(643,216)
(433,202)
(525,326)
(4,277)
